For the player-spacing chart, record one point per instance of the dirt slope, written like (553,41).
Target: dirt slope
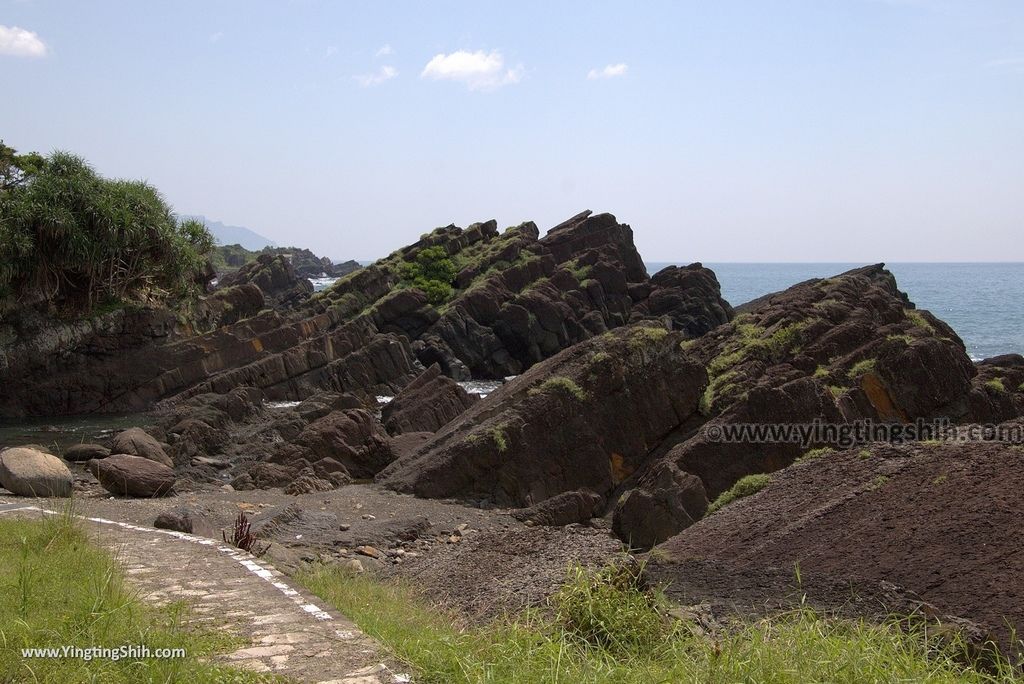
(940,521)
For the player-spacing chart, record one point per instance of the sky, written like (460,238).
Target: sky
(782,130)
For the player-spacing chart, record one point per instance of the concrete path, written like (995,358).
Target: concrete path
(291,633)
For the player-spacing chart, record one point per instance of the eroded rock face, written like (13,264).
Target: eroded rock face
(352,438)
(562,509)
(275,277)
(517,299)
(28,472)
(520,298)
(125,475)
(587,418)
(997,391)
(688,298)
(426,404)
(838,350)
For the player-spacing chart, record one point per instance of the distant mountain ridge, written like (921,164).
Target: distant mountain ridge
(234,235)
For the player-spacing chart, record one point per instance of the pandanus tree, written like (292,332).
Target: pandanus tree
(77,239)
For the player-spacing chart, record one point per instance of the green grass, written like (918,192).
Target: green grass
(499,438)
(57,589)
(644,336)
(745,486)
(838,390)
(996,385)
(821,371)
(720,385)
(604,627)
(816,453)
(860,368)
(560,384)
(919,320)
(877,482)
(905,339)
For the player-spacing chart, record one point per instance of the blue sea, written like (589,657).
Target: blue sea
(984,303)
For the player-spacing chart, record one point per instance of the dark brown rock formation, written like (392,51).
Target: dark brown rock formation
(137,442)
(587,418)
(834,351)
(516,299)
(276,278)
(562,509)
(126,475)
(931,519)
(426,404)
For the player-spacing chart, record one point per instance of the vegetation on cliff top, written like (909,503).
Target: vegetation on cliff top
(74,238)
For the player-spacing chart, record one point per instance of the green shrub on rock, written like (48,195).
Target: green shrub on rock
(431,271)
(751,484)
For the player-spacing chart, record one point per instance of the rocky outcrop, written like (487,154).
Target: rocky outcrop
(308,482)
(125,475)
(276,278)
(686,298)
(516,299)
(426,404)
(562,509)
(29,472)
(352,438)
(586,419)
(997,391)
(137,442)
(519,299)
(833,351)
(229,305)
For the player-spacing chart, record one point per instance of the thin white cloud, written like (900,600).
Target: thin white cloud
(331,51)
(215,37)
(384,50)
(610,71)
(19,42)
(385,73)
(1012,64)
(478,70)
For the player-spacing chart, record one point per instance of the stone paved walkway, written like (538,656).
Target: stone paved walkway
(291,633)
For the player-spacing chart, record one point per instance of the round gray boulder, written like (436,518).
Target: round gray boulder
(29,472)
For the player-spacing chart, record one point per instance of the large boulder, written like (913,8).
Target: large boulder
(137,442)
(426,404)
(126,475)
(587,418)
(28,472)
